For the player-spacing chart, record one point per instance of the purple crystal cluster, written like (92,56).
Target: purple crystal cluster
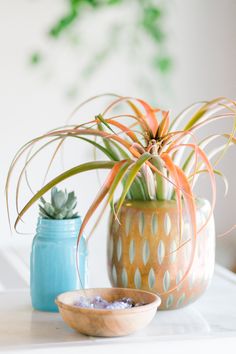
(98,302)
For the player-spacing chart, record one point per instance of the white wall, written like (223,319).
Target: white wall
(202,40)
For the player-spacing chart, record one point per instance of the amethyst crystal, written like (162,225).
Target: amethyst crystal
(98,302)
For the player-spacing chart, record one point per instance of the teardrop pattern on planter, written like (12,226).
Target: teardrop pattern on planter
(141,223)
(179,277)
(191,280)
(114,275)
(151,278)
(166,281)
(127,222)
(124,278)
(173,252)
(180,300)
(187,251)
(137,279)
(146,252)
(167,224)
(131,251)
(154,224)
(169,301)
(116,225)
(110,248)
(119,249)
(160,252)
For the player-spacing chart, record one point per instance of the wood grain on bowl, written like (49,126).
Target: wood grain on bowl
(108,323)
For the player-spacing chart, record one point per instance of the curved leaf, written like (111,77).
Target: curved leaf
(69,173)
(131,177)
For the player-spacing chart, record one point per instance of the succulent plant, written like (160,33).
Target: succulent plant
(62,205)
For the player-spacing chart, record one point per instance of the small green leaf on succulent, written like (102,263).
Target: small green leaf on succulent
(71,201)
(59,200)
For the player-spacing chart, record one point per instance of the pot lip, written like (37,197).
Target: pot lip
(62,221)
(149,204)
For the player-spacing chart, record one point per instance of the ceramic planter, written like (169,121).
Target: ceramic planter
(141,251)
(53,262)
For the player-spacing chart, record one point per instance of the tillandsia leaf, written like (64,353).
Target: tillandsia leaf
(190,207)
(209,168)
(229,140)
(59,146)
(138,190)
(205,116)
(164,125)
(210,156)
(16,158)
(140,118)
(117,180)
(89,100)
(106,151)
(100,118)
(201,112)
(104,190)
(171,167)
(203,144)
(149,179)
(182,115)
(67,174)
(161,183)
(151,117)
(153,168)
(188,163)
(131,177)
(109,146)
(124,129)
(216,172)
(122,153)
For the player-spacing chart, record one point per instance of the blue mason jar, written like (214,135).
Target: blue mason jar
(53,261)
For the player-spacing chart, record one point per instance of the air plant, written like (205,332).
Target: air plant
(151,157)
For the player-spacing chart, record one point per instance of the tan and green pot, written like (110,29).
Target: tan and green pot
(142,251)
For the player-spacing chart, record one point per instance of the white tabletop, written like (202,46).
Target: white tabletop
(210,322)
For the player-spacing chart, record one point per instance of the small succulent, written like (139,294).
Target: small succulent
(62,205)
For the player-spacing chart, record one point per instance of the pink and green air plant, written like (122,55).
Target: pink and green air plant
(150,157)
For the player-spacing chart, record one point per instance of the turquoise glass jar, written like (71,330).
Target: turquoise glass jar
(53,262)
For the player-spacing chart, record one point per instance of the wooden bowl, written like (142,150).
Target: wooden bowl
(108,323)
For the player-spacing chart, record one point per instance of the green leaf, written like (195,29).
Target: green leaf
(98,146)
(161,183)
(138,190)
(131,177)
(59,200)
(164,64)
(100,117)
(201,112)
(69,173)
(120,175)
(218,173)
(109,146)
(35,58)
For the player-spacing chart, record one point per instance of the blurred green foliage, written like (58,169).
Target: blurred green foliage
(148,21)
